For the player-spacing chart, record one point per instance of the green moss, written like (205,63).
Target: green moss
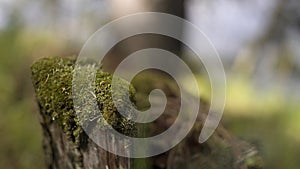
(254,162)
(52,79)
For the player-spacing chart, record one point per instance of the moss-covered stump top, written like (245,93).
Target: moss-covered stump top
(52,79)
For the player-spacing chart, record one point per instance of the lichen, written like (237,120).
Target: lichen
(52,78)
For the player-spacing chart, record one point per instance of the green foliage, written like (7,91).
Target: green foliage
(53,77)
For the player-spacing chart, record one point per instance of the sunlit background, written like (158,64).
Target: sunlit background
(258,42)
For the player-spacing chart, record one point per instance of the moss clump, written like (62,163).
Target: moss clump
(52,79)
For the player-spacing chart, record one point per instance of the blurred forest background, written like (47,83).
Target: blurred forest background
(258,42)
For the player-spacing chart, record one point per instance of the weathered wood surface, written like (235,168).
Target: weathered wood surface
(62,153)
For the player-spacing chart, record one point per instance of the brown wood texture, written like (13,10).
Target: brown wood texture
(62,153)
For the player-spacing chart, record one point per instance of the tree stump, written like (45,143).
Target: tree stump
(66,145)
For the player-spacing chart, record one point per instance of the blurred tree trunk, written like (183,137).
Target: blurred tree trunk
(269,48)
(139,42)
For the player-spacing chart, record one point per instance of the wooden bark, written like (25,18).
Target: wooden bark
(62,153)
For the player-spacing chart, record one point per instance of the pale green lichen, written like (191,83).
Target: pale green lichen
(52,79)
